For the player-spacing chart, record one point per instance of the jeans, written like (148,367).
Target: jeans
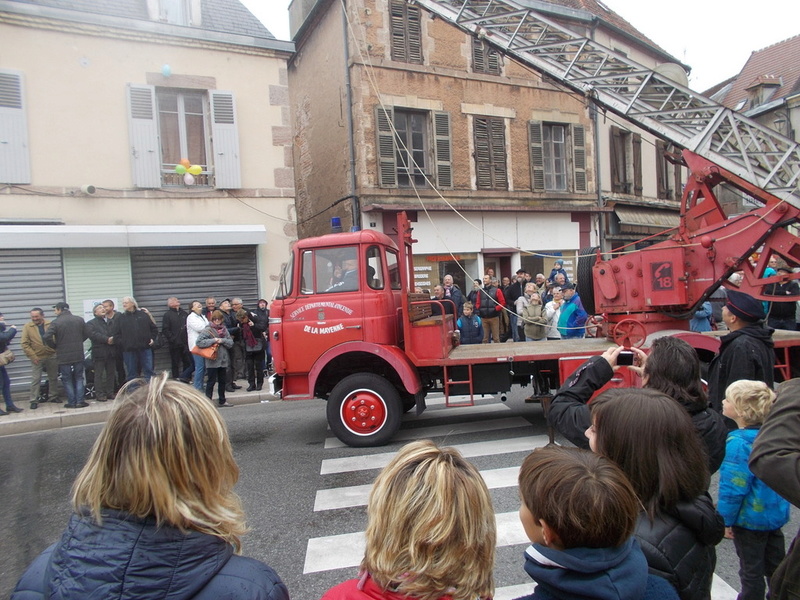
(199,372)
(6,387)
(74,385)
(136,361)
(760,553)
(513,319)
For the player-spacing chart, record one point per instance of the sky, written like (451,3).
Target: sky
(714,37)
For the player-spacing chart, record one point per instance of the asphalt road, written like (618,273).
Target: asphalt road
(288,459)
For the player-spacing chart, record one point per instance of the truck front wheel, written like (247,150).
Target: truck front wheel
(364,410)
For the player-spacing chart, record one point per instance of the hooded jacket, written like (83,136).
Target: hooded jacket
(747,353)
(131,558)
(593,573)
(364,588)
(679,545)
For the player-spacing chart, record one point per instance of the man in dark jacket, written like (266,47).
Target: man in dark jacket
(262,314)
(782,310)
(173,326)
(746,352)
(515,290)
(775,460)
(66,335)
(103,356)
(235,331)
(135,332)
(489,302)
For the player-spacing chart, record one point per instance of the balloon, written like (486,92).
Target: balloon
(180,169)
(195,169)
(185,162)
(188,179)
(166,70)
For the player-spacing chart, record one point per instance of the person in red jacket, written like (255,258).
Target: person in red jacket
(431,531)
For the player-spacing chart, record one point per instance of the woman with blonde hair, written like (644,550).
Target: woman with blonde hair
(155,511)
(431,532)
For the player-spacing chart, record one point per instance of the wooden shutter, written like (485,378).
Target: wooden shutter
(662,176)
(485,59)
(225,141)
(397,23)
(579,158)
(537,155)
(478,62)
(498,142)
(442,145)
(619,182)
(387,162)
(483,168)
(15,163)
(636,140)
(493,60)
(143,128)
(414,24)
(677,193)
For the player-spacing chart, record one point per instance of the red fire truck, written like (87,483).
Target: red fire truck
(363,341)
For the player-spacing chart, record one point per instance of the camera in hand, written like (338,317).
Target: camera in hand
(625,358)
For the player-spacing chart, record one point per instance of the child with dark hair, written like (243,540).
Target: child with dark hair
(753,512)
(579,510)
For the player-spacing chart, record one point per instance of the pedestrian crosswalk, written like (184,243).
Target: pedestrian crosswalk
(507,442)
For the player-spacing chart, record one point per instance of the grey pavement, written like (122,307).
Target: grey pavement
(55,416)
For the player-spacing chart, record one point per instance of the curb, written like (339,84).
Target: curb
(58,417)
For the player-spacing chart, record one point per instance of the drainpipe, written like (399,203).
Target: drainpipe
(355,207)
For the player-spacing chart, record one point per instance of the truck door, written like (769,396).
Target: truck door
(327,307)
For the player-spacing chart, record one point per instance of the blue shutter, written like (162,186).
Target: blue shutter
(15,164)
(143,126)
(225,141)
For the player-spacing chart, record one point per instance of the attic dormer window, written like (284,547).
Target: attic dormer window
(175,12)
(762,89)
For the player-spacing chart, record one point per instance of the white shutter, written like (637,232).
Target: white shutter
(15,164)
(444,161)
(225,141)
(143,127)
(387,162)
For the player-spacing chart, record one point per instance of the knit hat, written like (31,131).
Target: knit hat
(745,306)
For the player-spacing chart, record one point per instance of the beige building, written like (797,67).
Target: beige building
(100,104)
(397,109)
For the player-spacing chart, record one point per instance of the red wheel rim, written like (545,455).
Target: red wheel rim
(363,412)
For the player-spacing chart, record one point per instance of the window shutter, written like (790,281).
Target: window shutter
(414,23)
(397,24)
(637,164)
(444,164)
(617,154)
(225,141)
(387,163)
(492,60)
(15,164)
(143,127)
(478,64)
(677,190)
(662,177)
(579,157)
(537,155)
(498,140)
(483,169)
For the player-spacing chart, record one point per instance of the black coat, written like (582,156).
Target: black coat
(746,353)
(569,413)
(679,545)
(173,326)
(66,334)
(99,332)
(133,331)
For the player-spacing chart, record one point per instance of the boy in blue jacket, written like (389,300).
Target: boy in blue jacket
(753,512)
(579,510)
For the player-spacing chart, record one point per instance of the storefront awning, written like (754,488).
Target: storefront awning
(649,218)
(129,236)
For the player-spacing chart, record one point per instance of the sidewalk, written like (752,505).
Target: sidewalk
(55,416)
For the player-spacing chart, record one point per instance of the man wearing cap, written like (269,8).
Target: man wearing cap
(782,312)
(746,352)
(66,334)
(572,320)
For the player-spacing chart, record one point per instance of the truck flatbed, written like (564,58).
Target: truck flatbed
(523,351)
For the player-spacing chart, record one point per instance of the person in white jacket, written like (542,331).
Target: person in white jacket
(195,323)
(552,311)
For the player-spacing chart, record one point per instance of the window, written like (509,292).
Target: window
(490,153)
(626,162)
(15,166)
(485,59)
(182,128)
(392,264)
(668,173)
(406,32)
(374,268)
(168,124)
(330,270)
(173,11)
(405,152)
(558,157)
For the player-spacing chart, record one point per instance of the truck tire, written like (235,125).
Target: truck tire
(364,410)
(586,260)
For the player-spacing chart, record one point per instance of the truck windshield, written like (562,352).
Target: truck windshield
(329,270)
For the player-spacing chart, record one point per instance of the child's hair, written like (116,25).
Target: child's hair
(751,399)
(430,526)
(652,439)
(164,453)
(468,305)
(584,497)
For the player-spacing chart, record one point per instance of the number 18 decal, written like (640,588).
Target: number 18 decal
(662,276)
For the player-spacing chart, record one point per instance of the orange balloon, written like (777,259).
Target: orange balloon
(185,162)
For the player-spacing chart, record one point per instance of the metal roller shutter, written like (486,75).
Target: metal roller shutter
(192,273)
(28,278)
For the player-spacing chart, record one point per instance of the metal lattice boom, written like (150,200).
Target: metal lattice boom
(655,103)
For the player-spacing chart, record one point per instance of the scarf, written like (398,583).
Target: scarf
(249,338)
(219,329)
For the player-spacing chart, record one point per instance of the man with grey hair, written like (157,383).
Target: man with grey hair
(135,332)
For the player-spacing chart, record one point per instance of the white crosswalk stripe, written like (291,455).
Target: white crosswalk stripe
(346,549)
